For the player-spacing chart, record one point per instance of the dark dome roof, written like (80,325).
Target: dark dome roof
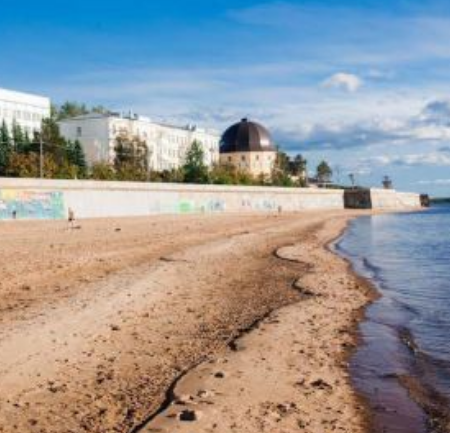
(246,136)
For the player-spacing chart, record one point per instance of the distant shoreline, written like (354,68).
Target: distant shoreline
(445,200)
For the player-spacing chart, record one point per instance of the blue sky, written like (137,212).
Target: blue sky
(364,84)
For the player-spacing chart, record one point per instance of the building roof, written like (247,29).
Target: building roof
(24,98)
(137,118)
(246,136)
(88,116)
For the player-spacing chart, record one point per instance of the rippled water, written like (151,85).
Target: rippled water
(403,363)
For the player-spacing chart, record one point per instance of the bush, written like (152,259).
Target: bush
(102,171)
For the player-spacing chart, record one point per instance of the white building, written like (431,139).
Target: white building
(25,109)
(167,144)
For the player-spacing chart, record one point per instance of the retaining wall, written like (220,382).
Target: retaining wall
(50,199)
(381,199)
(391,199)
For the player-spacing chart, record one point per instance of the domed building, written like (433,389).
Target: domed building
(248,146)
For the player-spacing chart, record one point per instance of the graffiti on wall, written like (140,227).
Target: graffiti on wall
(265,205)
(210,205)
(23,204)
(220,205)
(186,206)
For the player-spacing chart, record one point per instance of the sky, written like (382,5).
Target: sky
(363,84)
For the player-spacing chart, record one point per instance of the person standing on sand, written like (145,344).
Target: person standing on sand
(71,218)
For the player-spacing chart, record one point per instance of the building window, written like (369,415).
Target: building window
(79,131)
(229,159)
(242,158)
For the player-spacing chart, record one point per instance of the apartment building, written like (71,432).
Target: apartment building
(167,144)
(25,109)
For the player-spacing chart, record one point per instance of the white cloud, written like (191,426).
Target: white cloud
(432,159)
(343,81)
(379,75)
(301,117)
(434,182)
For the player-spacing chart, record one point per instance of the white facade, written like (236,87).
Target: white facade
(25,109)
(167,144)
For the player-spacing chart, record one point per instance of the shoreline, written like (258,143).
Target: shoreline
(116,336)
(422,407)
(372,295)
(198,400)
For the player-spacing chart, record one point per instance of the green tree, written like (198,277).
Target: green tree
(26,145)
(227,174)
(175,175)
(70,109)
(21,157)
(298,168)
(102,171)
(73,109)
(80,159)
(194,167)
(244,178)
(53,142)
(5,148)
(131,158)
(100,109)
(280,170)
(70,151)
(324,172)
(27,165)
(18,136)
(222,174)
(76,157)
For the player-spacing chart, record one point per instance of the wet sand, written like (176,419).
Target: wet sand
(220,323)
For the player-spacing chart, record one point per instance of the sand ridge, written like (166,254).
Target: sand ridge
(290,373)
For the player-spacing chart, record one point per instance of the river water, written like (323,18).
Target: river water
(402,366)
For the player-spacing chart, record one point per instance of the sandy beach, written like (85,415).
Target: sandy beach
(178,324)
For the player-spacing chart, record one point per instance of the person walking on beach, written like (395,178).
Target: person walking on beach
(71,218)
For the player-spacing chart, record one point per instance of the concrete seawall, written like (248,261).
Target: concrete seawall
(381,199)
(391,199)
(50,199)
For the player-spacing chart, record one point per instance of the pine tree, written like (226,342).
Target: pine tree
(18,137)
(5,148)
(80,159)
(26,143)
(70,151)
(194,168)
(52,140)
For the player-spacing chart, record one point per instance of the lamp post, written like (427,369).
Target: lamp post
(352,179)
(41,157)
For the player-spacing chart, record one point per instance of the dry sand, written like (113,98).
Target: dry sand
(98,323)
